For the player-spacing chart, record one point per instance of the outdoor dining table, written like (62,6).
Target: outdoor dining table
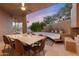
(26,38)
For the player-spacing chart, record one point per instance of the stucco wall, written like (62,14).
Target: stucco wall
(74,15)
(5,24)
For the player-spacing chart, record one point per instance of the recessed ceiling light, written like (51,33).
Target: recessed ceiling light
(23,8)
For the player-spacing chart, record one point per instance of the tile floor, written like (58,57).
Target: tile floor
(56,49)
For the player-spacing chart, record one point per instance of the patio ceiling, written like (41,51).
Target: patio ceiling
(14,9)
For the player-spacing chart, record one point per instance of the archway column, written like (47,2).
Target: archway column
(24,24)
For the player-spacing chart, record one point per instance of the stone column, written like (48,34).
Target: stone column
(24,24)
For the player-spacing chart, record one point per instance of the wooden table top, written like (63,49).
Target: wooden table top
(26,38)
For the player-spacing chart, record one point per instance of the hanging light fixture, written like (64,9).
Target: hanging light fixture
(23,7)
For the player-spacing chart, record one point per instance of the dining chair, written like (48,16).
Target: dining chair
(19,48)
(12,46)
(6,41)
(39,48)
(37,43)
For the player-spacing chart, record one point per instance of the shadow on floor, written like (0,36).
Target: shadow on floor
(49,42)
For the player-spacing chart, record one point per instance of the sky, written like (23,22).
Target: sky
(40,14)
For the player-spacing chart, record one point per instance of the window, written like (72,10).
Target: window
(17,27)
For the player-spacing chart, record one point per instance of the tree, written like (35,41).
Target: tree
(42,24)
(47,19)
(66,10)
(37,26)
(63,12)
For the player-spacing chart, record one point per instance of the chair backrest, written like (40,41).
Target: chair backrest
(19,46)
(11,42)
(5,39)
(42,44)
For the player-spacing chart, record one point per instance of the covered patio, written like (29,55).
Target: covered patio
(24,43)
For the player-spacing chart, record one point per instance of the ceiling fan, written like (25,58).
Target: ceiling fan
(23,7)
